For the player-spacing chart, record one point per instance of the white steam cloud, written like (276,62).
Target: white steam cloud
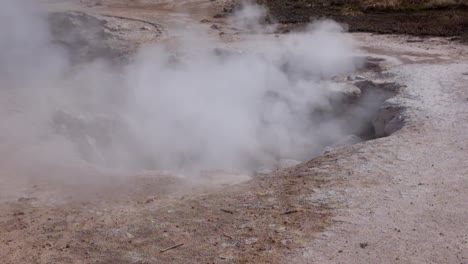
(202,107)
(253,18)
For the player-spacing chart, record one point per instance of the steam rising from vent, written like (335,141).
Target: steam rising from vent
(202,107)
(252,18)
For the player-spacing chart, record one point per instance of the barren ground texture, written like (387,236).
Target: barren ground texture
(398,199)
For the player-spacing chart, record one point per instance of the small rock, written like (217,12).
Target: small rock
(280,229)
(145,28)
(363,245)
(251,240)
(150,199)
(215,27)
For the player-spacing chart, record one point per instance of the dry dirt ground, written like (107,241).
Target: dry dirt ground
(399,199)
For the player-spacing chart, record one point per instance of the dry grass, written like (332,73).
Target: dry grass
(410,4)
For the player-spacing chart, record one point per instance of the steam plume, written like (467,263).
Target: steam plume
(200,108)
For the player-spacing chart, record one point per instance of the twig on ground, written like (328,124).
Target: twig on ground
(227,211)
(169,248)
(230,237)
(290,212)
